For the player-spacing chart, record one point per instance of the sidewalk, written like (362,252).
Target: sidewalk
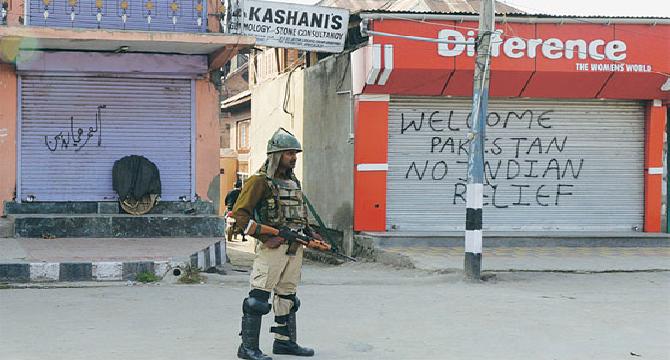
(573,259)
(84,259)
(17,250)
(527,251)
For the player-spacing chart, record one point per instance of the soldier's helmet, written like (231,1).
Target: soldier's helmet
(283,140)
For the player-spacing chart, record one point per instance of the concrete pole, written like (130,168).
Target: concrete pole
(475,187)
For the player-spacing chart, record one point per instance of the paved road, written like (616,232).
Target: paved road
(355,311)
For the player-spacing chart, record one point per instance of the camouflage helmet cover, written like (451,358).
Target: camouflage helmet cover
(283,140)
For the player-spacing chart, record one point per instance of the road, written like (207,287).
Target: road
(354,311)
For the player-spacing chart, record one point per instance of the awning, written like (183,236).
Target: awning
(218,47)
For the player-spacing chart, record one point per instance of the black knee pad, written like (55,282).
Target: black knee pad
(257,303)
(296,301)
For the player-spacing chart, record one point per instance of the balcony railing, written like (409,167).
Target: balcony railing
(145,15)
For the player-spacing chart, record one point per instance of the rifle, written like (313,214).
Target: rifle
(254,228)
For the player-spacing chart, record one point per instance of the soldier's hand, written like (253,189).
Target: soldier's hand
(286,234)
(274,242)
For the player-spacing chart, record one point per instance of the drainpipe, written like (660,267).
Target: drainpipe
(350,140)
(347,234)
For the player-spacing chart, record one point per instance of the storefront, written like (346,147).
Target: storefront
(76,120)
(83,99)
(574,136)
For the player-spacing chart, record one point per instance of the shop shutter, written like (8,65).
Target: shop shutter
(587,165)
(149,117)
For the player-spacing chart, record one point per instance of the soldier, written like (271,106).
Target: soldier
(273,197)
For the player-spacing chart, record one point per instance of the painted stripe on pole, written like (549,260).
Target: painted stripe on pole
(372,167)
(473,219)
(388,65)
(473,241)
(475,196)
(655,171)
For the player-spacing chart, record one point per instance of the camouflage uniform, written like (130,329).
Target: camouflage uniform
(273,199)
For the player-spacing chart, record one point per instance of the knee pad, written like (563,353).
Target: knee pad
(257,303)
(296,301)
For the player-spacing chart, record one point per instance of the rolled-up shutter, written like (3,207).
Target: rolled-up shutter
(586,157)
(67,152)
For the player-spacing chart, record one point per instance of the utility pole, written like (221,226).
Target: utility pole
(475,188)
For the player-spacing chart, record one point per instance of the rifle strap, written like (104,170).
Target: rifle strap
(320,222)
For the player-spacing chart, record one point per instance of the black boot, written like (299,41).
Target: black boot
(291,347)
(288,347)
(251,329)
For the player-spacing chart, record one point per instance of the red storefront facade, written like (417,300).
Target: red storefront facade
(577,121)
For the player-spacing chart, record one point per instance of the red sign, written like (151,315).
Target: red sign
(528,60)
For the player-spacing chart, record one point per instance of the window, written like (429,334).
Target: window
(243,142)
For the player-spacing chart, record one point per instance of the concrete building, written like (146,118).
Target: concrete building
(316,101)
(87,82)
(384,125)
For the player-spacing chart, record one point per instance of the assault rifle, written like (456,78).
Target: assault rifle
(291,236)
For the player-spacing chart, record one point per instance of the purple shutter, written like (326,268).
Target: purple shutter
(60,162)
(85,14)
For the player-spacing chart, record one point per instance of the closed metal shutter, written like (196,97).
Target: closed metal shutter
(60,162)
(550,165)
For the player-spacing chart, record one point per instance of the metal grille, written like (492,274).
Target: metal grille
(85,14)
(550,165)
(59,161)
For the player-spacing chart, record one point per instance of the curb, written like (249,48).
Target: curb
(502,240)
(82,271)
(366,248)
(6,228)
(209,257)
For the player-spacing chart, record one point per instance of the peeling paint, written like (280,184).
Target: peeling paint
(44,271)
(107,271)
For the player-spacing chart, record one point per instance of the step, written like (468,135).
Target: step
(105,207)
(522,239)
(6,228)
(118,225)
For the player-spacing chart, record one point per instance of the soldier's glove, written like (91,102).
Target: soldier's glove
(287,234)
(274,242)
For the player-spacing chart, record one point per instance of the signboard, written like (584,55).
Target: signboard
(275,24)
(536,60)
